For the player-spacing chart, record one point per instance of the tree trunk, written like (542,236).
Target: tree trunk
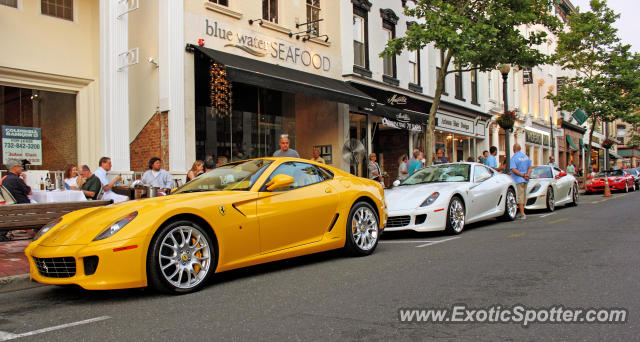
(431,127)
(588,156)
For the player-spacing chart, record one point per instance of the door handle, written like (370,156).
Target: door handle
(328,190)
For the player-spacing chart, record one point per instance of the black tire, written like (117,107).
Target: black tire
(575,196)
(362,230)
(511,194)
(185,258)
(626,187)
(456,216)
(551,205)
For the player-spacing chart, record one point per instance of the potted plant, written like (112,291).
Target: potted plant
(607,143)
(507,120)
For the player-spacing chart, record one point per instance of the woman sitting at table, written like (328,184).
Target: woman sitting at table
(196,170)
(72,178)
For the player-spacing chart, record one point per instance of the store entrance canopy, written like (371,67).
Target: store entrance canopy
(271,76)
(571,142)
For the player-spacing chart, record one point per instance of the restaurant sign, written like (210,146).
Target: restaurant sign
(533,137)
(22,143)
(451,123)
(401,125)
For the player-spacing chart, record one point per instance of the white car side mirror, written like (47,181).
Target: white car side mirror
(396,182)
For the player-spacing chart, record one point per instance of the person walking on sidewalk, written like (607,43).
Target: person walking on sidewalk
(520,172)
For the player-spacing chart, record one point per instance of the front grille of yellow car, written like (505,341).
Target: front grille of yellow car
(398,221)
(56,267)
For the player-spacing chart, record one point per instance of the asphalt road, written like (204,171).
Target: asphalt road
(584,257)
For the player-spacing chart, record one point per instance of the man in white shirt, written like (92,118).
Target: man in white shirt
(101,173)
(157,177)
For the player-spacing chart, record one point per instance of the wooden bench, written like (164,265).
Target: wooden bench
(34,216)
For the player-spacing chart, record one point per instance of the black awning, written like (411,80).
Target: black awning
(271,76)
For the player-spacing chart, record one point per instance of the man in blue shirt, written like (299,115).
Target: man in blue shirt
(491,159)
(520,172)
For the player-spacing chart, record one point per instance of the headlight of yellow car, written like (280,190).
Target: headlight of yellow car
(47,227)
(114,228)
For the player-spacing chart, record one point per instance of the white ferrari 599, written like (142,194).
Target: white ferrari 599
(447,196)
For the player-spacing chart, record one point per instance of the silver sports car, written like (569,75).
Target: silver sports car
(549,187)
(447,196)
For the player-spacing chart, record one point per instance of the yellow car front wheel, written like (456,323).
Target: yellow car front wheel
(181,258)
(363,230)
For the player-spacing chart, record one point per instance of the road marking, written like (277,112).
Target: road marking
(406,241)
(558,220)
(545,215)
(434,242)
(6,336)
(516,235)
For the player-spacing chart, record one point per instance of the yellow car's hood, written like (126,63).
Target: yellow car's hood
(82,226)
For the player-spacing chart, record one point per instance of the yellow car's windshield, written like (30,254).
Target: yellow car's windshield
(234,176)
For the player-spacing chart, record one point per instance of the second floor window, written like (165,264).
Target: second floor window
(444,78)
(458,83)
(220,2)
(414,67)
(10,3)
(359,42)
(270,10)
(387,61)
(313,15)
(474,86)
(62,9)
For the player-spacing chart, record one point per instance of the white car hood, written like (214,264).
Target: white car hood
(406,197)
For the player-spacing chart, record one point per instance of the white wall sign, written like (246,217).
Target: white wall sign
(451,123)
(22,143)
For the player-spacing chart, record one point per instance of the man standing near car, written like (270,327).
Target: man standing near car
(520,172)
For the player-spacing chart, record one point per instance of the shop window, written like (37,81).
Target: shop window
(53,114)
(220,2)
(10,3)
(270,10)
(474,87)
(62,9)
(313,16)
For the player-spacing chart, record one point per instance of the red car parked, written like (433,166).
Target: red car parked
(618,180)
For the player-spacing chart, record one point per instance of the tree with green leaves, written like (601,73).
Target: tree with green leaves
(606,85)
(476,35)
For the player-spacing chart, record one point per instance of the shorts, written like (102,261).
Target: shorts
(521,193)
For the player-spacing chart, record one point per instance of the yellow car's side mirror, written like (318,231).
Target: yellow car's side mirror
(279,181)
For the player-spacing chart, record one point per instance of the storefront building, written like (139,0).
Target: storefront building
(570,150)
(49,83)
(630,157)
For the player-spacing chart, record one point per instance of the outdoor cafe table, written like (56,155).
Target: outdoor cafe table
(56,196)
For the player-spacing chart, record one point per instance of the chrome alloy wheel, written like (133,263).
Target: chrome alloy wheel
(185,257)
(364,228)
(576,194)
(456,215)
(512,206)
(550,200)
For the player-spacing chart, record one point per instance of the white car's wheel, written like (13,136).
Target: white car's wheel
(551,202)
(510,206)
(455,216)
(575,195)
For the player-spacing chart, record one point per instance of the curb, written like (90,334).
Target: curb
(17,283)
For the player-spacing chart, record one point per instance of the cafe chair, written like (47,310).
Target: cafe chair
(7,196)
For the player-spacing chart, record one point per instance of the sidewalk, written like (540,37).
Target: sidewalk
(14,267)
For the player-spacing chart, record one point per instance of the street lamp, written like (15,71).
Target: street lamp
(504,70)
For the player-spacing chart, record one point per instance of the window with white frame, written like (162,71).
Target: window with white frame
(359,43)
(62,9)
(414,67)
(10,3)
(220,2)
(387,61)
(313,17)
(270,10)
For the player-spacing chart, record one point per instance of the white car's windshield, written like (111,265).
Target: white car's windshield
(234,176)
(440,173)
(541,172)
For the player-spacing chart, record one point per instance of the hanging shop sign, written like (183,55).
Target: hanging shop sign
(455,124)
(560,81)
(533,137)
(20,143)
(232,37)
(401,125)
(527,76)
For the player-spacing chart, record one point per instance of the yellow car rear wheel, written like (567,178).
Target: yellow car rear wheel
(181,258)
